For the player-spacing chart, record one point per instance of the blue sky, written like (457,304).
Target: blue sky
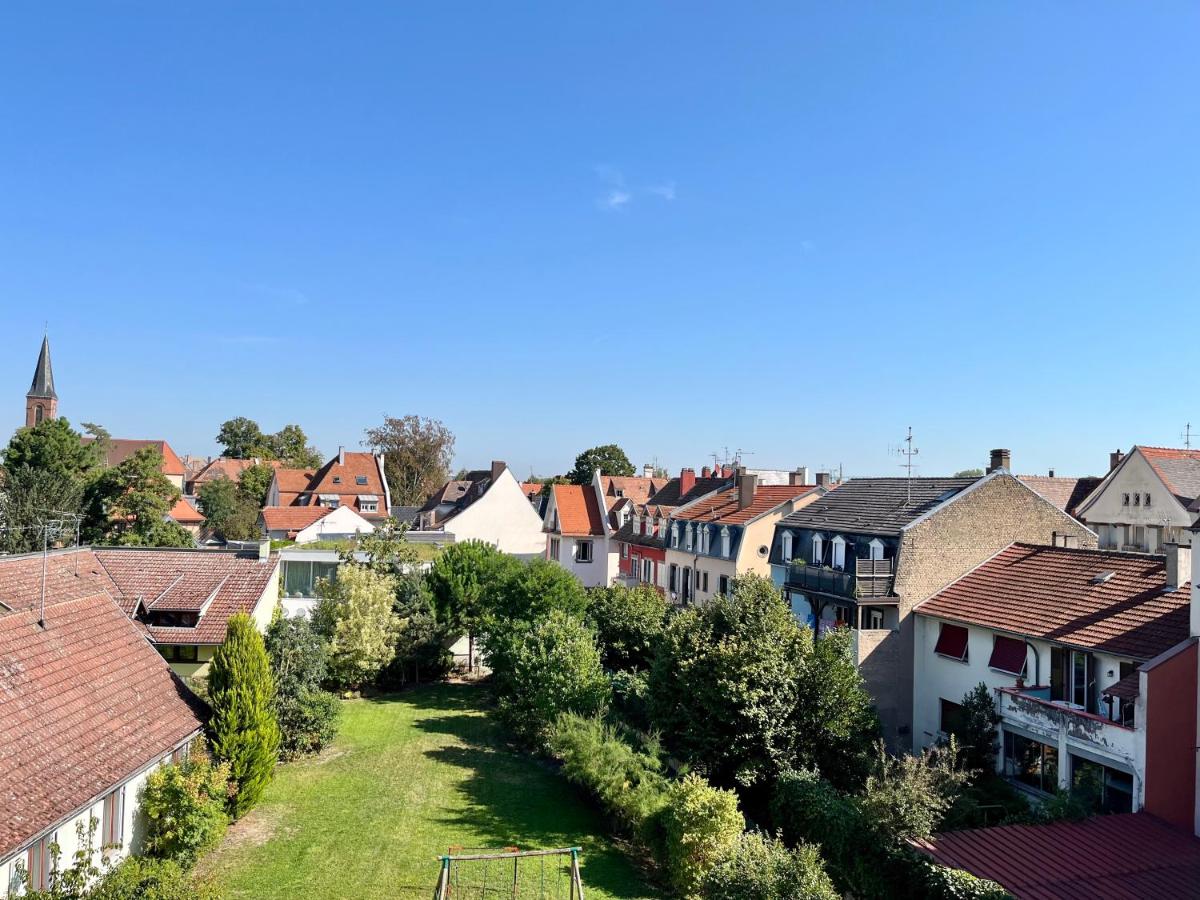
(793,228)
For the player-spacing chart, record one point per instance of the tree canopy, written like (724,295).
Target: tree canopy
(129,502)
(418,453)
(608,458)
(243,438)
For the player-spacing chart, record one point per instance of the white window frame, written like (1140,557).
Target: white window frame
(624,551)
(818,549)
(647,569)
(688,536)
(839,550)
(580,546)
(725,541)
(112,825)
(674,534)
(786,546)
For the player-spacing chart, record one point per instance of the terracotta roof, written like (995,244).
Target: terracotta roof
(578,511)
(223,467)
(185,513)
(356,465)
(1109,857)
(1070,597)
(70,574)
(531,489)
(185,580)
(292,518)
(1065,493)
(120,449)
(877,505)
(292,483)
(636,487)
(86,703)
(1178,468)
(722,507)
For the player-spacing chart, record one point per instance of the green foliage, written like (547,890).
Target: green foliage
(127,504)
(723,683)
(417,457)
(307,715)
(184,806)
(907,796)
(526,592)
(608,458)
(53,446)
(968,473)
(254,483)
(356,615)
(422,649)
(940,883)
(701,825)
(628,781)
(629,623)
(226,511)
(242,438)
(759,867)
(988,800)
(386,548)
(978,737)
(28,494)
(544,669)
(244,728)
(834,721)
(145,878)
(67,881)
(290,445)
(631,697)
(458,581)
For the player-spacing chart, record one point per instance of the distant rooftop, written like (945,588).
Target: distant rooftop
(877,505)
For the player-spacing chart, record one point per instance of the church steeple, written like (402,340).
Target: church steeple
(41,402)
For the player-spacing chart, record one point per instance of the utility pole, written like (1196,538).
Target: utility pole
(908,452)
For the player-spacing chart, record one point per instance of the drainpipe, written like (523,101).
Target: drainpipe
(1037,663)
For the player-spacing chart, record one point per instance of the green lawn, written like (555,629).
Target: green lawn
(409,776)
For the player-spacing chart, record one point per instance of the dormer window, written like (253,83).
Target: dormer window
(839,552)
(787,546)
(725,541)
(688,538)
(818,550)
(675,534)
(702,538)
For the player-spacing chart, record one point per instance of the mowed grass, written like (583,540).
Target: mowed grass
(409,776)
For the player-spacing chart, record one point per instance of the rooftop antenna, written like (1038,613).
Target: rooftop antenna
(739,453)
(908,452)
(1187,436)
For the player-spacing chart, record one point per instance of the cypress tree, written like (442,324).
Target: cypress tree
(243,729)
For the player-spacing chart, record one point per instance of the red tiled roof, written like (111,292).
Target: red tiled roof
(184,513)
(85,703)
(287,518)
(578,511)
(1178,468)
(1056,594)
(722,507)
(356,464)
(223,467)
(1065,493)
(292,483)
(1132,855)
(531,489)
(636,487)
(120,449)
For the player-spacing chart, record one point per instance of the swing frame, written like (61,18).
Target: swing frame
(444,891)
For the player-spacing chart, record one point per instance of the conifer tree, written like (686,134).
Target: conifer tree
(243,728)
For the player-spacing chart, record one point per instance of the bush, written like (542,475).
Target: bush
(184,805)
(546,669)
(307,715)
(627,781)
(629,624)
(631,698)
(977,736)
(422,648)
(907,796)
(700,825)
(940,883)
(308,722)
(244,729)
(757,867)
(356,614)
(142,878)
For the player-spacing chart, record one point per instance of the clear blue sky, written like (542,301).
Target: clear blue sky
(792,228)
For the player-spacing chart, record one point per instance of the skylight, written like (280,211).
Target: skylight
(1103,577)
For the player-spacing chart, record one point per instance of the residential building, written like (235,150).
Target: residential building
(727,533)
(866,553)
(221,467)
(87,710)
(641,542)
(41,402)
(305,524)
(115,451)
(1147,500)
(1066,493)
(1091,662)
(348,479)
(487,505)
(184,513)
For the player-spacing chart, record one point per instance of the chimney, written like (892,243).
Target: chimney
(746,483)
(1179,564)
(800,476)
(824,479)
(647,471)
(706,472)
(687,480)
(1001,459)
(264,549)
(498,467)
(341,455)
(1114,459)
(1051,473)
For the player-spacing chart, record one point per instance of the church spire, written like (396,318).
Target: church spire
(41,402)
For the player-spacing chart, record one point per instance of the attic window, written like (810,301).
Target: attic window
(952,642)
(360,479)
(337,479)
(1008,655)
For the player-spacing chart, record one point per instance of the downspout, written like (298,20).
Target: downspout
(1037,664)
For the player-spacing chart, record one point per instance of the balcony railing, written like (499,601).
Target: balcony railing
(869,578)
(1032,709)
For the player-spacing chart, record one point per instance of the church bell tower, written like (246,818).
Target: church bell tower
(41,402)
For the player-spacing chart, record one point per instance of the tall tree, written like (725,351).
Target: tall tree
(30,499)
(608,458)
(244,729)
(290,445)
(418,456)
(129,502)
(356,614)
(458,580)
(228,511)
(254,483)
(53,446)
(243,439)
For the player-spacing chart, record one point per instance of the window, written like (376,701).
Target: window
(1137,499)
(702,581)
(555,546)
(687,585)
(360,479)
(787,546)
(1113,787)
(876,548)
(38,862)
(368,505)
(648,571)
(1073,678)
(673,575)
(1008,655)
(1124,499)
(688,538)
(702,538)
(38,413)
(723,585)
(583,551)
(873,617)
(953,718)
(818,550)
(624,551)
(952,642)
(674,534)
(1145,499)
(1031,762)
(112,827)
(725,541)
(337,479)
(178,652)
(839,552)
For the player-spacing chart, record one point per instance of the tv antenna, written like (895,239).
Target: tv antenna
(908,451)
(1187,436)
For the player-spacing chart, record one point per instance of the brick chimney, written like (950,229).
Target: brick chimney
(1001,459)
(687,480)
(746,484)
(498,467)
(706,472)
(1114,459)
(824,479)
(1179,565)
(799,476)
(341,455)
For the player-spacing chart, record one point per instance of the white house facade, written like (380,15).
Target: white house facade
(1142,505)
(489,506)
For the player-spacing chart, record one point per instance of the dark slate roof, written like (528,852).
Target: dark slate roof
(670,496)
(43,375)
(625,534)
(876,505)
(405,515)
(459,492)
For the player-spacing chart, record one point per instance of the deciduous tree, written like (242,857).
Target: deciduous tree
(629,623)
(608,458)
(418,456)
(242,438)
(357,616)
(128,504)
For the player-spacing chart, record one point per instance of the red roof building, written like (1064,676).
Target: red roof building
(349,479)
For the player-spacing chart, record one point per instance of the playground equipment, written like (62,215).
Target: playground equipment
(510,873)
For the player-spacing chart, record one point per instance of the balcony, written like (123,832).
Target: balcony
(1032,709)
(870,578)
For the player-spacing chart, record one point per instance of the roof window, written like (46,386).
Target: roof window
(337,479)
(360,479)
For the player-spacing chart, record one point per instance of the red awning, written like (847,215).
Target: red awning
(952,642)
(1008,655)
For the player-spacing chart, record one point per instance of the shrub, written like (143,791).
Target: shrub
(184,805)
(422,648)
(940,883)
(142,878)
(626,780)
(907,796)
(355,613)
(700,825)
(628,622)
(244,729)
(549,668)
(757,867)
(977,735)
(307,715)
(631,698)
(308,721)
